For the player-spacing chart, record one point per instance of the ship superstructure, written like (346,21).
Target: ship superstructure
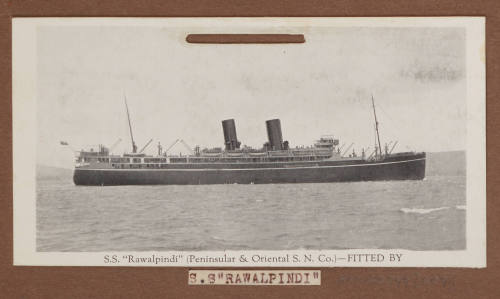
(275,162)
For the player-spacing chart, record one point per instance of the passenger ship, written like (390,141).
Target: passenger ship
(275,162)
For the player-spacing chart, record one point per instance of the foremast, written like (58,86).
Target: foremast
(134,147)
(376,129)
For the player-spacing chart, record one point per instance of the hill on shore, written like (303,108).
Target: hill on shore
(446,163)
(44,172)
(439,163)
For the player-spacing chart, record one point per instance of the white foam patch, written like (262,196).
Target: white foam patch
(421,211)
(216,238)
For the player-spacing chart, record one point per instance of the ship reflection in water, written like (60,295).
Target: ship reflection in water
(275,162)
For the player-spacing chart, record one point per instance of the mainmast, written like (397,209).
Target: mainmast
(134,147)
(376,126)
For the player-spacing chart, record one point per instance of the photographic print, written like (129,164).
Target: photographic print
(362,144)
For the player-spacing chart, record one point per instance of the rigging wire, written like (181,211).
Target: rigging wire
(393,129)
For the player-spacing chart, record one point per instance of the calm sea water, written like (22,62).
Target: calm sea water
(417,215)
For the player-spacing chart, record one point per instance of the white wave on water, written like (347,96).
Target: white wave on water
(421,211)
(217,238)
(460,207)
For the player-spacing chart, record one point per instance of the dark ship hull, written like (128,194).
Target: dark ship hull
(408,166)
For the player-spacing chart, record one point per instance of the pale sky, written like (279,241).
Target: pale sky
(180,90)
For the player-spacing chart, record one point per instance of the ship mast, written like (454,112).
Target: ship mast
(376,126)
(134,147)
